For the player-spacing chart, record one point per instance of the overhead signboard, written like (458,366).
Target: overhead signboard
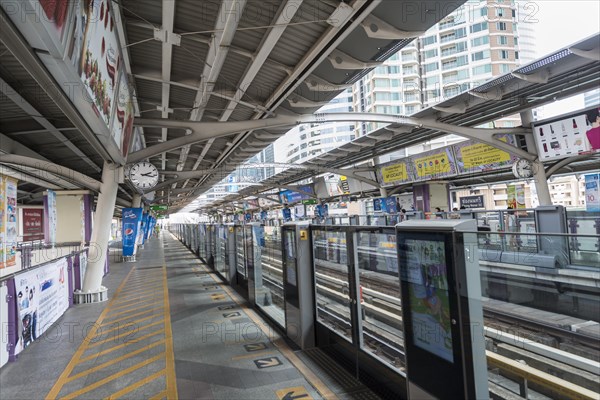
(592,192)
(472,202)
(434,164)
(159,207)
(569,135)
(394,173)
(472,156)
(291,196)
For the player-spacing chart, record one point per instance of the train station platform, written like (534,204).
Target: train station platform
(170,330)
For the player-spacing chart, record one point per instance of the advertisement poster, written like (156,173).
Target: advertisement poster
(429,300)
(394,174)
(51,216)
(2,221)
(592,192)
(434,164)
(576,134)
(10,222)
(122,128)
(391,205)
(42,297)
(472,156)
(96,54)
(132,220)
(3,322)
(515,196)
(33,224)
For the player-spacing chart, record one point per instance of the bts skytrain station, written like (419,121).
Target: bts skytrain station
(299,199)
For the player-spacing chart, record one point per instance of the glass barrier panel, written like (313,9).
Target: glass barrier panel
(584,249)
(269,292)
(380,329)
(536,306)
(332,284)
(240,263)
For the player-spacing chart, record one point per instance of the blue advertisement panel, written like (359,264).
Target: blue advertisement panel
(132,219)
(287,214)
(592,192)
(264,215)
(290,196)
(379,205)
(322,211)
(144,230)
(391,205)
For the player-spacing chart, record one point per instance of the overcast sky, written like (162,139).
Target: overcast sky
(559,24)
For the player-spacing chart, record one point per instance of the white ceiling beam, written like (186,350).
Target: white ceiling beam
(286,13)
(168,19)
(229,17)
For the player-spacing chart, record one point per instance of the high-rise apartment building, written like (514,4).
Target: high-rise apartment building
(480,40)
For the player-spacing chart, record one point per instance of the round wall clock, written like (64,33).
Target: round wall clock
(143,175)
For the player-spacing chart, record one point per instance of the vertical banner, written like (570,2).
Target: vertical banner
(33,224)
(145,223)
(515,196)
(592,192)
(42,297)
(10,224)
(50,214)
(132,219)
(4,322)
(2,221)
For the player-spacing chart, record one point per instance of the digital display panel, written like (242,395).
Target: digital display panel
(427,278)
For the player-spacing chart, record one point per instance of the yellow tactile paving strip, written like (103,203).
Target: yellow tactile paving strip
(129,350)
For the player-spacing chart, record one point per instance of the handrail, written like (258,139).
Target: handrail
(14,274)
(557,385)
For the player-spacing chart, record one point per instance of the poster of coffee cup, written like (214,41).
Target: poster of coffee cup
(122,125)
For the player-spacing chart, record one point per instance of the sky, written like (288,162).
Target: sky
(559,24)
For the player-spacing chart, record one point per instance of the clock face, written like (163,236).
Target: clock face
(523,168)
(143,175)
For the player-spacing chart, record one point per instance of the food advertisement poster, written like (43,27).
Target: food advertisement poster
(394,173)
(472,156)
(426,273)
(10,222)
(42,297)
(515,196)
(132,220)
(122,128)
(434,164)
(33,224)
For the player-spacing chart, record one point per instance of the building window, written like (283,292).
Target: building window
(516,55)
(479,27)
(480,41)
(429,40)
(483,69)
(503,54)
(502,40)
(504,68)
(430,53)
(432,66)
(480,55)
(501,26)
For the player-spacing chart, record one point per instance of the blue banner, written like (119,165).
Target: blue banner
(391,205)
(287,214)
(132,219)
(145,225)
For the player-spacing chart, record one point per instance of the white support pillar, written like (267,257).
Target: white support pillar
(382,191)
(539,174)
(111,176)
(136,201)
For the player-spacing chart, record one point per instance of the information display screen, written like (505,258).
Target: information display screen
(427,278)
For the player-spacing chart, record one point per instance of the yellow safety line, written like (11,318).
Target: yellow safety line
(254,354)
(97,384)
(124,334)
(114,361)
(62,379)
(135,308)
(112,321)
(143,284)
(132,293)
(145,279)
(133,300)
(159,396)
(109,350)
(136,385)
(103,332)
(310,376)
(133,303)
(170,362)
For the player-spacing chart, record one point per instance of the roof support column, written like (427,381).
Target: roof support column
(136,201)
(539,174)
(111,176)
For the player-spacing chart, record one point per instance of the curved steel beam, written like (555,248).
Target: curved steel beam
(52,168)
(564,162)
(207,130)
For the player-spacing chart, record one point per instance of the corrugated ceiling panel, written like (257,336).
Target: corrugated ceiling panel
(188,60)
(147,10)
(265,83)
(194,15)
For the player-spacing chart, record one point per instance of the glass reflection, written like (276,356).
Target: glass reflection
(269,289)
(332,286)
(380,328)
